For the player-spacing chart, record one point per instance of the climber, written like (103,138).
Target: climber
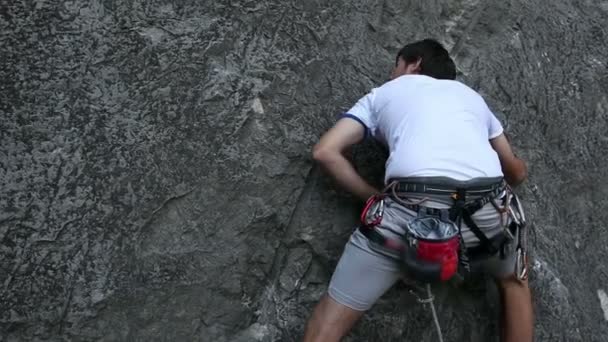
(446,149)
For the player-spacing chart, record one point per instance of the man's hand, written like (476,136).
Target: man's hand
(328,153)
(513,168)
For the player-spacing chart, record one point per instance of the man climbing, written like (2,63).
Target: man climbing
(445,147)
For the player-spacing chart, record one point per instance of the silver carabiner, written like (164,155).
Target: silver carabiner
(520,210)
(521,264)
(518,214)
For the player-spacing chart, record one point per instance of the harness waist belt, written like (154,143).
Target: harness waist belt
(447,186)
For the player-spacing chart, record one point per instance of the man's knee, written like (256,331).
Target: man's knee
(319,325)
(514,291)
(330,321)
(511,282)
(319,322)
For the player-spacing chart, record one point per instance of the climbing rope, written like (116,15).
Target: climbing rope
(432,305)
(430,301)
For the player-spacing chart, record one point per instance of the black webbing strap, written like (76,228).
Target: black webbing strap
(461,211)
(483,239)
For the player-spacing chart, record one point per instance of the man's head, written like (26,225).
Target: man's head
(425,57)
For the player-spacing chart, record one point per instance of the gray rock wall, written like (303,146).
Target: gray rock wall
(156,179)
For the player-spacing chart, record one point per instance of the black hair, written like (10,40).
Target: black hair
(435,59)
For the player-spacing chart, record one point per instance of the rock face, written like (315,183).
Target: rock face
(156,179)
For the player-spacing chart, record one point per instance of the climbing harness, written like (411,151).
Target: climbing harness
(428,246)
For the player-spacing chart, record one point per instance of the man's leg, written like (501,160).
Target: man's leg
(517,312)
(361,277)
(330,321)
(516,300)
(517,317)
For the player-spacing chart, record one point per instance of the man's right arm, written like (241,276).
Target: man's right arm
(328,152)
(514,169)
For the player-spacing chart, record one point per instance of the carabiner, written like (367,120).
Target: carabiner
(521,264)
(373,211)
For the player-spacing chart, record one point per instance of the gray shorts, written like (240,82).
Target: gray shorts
(366,271)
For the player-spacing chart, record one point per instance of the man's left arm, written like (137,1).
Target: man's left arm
(329,153)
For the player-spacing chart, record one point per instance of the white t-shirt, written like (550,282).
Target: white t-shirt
(431,127)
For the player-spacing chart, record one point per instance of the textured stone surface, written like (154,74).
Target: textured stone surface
(155,172)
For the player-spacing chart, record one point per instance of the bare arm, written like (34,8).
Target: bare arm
(329,153)
(514,169)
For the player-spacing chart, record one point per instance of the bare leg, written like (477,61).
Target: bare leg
(330,321)
(517,312)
